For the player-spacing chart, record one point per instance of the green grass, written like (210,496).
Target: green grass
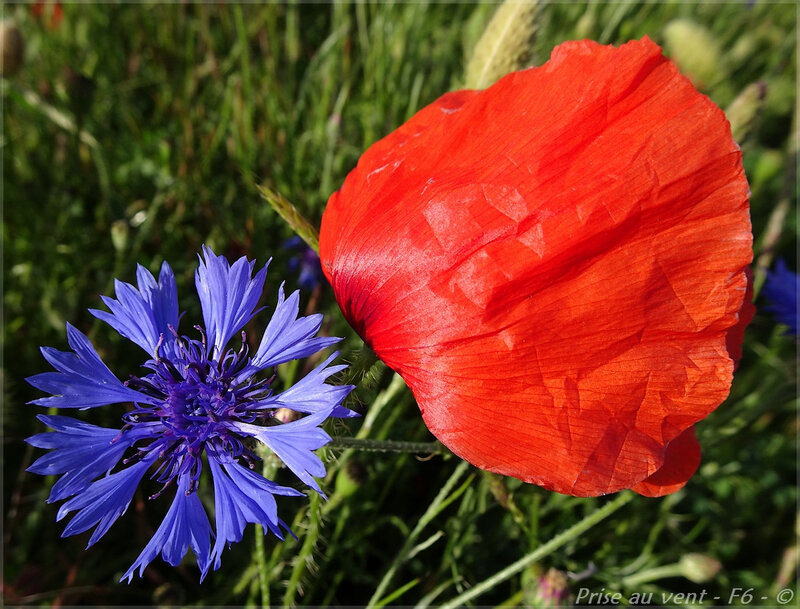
(184,110)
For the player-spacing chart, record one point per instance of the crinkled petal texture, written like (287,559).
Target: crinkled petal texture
(553,266)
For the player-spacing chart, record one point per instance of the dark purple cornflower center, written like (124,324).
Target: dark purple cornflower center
(199,397)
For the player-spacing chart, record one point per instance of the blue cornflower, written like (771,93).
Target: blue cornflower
(198,398)
(306,261)
(780,290)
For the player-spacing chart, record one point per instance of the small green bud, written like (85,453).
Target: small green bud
(505,45)
(743,50)
(119,235)
(780,96)
(768,165)
(744,108)
(585,25)
(699,568)
(695,51)
(13,48)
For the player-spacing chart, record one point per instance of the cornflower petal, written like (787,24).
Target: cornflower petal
(146,315)
(294,442)
(102,502)
(312,394)
(162,296)
(80,451)
(288,337)
(307,261)
(228,296)
(781,292)
(82,380)
(191,407)
(240,497)
(185,526)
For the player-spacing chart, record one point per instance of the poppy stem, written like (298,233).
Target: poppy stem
(556,542)
(389,446)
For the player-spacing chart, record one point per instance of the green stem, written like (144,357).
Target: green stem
(311,536)
(247,129)
(649,575)
(395,388)
(389,446)
(542,551)
(386,397)
(433,509)
(261,566)
(269,472)
(769,240)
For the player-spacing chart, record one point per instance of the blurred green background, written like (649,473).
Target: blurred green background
(136,133)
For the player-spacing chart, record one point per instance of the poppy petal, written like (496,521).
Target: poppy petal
(553,264)
(681,460)
(735,336)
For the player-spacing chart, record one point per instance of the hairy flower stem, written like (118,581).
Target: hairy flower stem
(261,564)
(384,398)
(389,446)
(317,515)
(556,542)
(269,471)
(306,551)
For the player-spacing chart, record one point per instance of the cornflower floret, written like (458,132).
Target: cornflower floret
(198,398)
(781,291)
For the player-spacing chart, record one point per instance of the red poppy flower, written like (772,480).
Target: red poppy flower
(555,266)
